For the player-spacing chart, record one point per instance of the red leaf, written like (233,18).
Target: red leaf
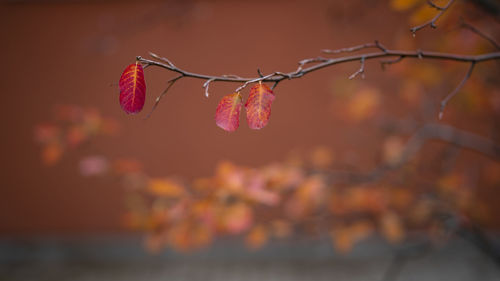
(258,106)
(132,89)
(227,115)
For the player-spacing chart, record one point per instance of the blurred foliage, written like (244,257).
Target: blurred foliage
(307,194)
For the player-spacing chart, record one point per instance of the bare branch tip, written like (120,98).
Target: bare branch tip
(207,84)
(360,71)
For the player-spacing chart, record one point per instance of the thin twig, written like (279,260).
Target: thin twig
(432,22)
(206,84)
(260,79)
(383,63)
(361,70)
(376,44)
(445,101)
(481,34)
(170,82)
(433,5)
(231,76)
(304,62)
(162,59)
(275,84)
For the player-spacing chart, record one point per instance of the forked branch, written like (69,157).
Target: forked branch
(432,22)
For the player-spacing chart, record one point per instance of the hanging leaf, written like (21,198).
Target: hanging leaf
(132,89)
(258,106)
(227,115)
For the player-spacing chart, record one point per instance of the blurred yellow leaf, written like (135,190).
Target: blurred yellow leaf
(188,235)
(392,150)
(402,5)
(391,227)
(202,236)
(236,218)
(342,239)
(401,197)
(180,236)
(257,237)
(321,157)
(361,229)
(312,189)
(165,188)
(363,104)
(230,176)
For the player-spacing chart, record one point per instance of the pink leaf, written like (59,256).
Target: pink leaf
(227,115)
(258,106)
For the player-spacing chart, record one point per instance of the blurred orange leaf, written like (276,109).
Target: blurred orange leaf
(165,188)
(123,166)
(363,104)
(321,157)
(391,227)
(75,136)
(393,149)
(402,5)
(257,237)
(51,153)
(236,218)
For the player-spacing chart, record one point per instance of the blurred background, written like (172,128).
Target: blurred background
(352,179)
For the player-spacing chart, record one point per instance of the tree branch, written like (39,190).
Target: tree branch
(445,101)
(432,22)
(361,70)
(428,132)
(170,83)
(480,34)
(323,63)
(317,64)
